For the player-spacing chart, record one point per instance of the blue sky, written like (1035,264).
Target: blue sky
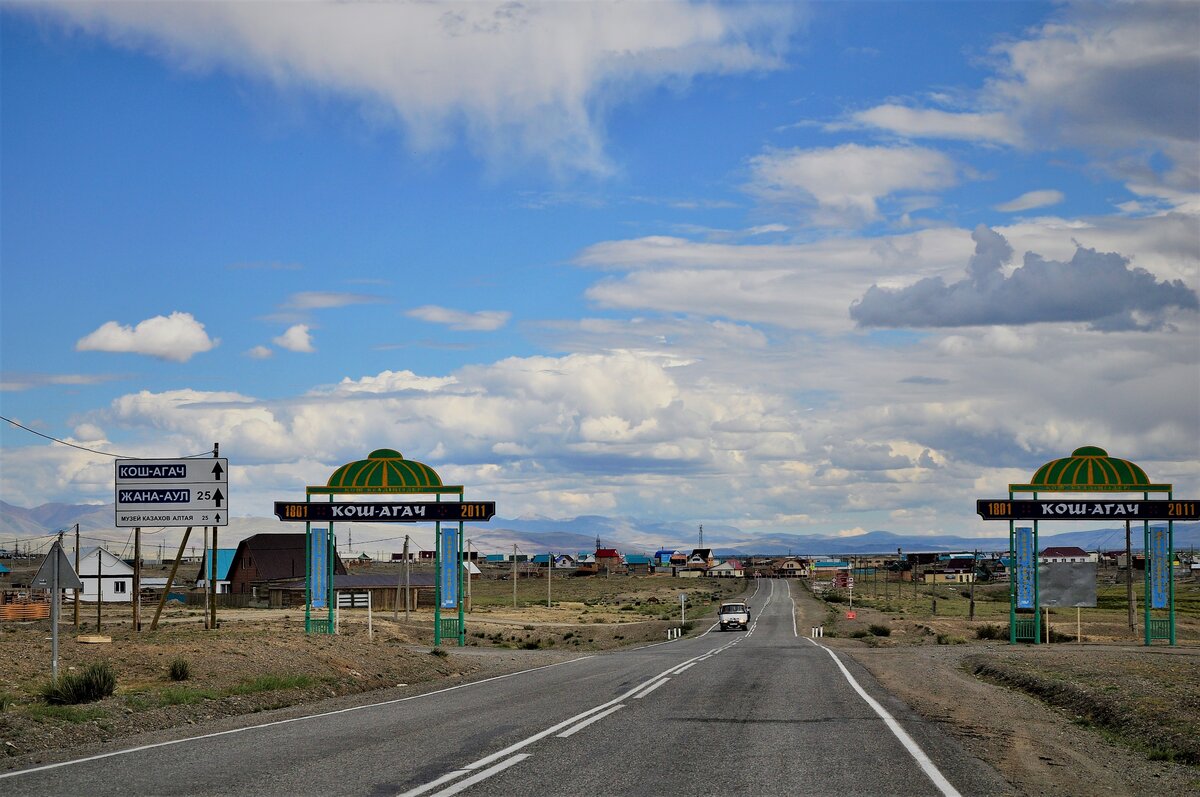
(818,268)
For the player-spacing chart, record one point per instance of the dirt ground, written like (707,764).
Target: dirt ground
(1039,749)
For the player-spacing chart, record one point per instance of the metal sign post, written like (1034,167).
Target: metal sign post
(55,574)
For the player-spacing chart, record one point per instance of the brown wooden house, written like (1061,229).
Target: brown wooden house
(265,558)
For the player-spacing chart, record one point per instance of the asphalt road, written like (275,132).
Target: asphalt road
(766,711)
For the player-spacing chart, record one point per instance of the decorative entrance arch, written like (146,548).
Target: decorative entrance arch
(1089,470)
(385,472)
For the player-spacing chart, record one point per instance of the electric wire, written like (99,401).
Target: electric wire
(91,450)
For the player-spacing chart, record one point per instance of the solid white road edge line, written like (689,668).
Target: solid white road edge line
(927,766)
(99,756)
(484,775)
(793,600)
(590,720)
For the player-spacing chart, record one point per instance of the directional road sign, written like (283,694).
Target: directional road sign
(172,492)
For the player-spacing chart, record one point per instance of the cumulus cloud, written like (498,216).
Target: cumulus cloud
(1098,288)
(481,321)
(259,352)
(845,184)
(296,338)
(1115,79)
(517,79)
(1031,200)
(177,337)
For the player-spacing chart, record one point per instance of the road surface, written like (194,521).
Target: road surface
(765,711)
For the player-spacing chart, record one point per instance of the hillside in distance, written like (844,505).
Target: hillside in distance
(35,528)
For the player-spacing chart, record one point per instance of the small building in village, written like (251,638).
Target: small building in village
(730,568)
(105,575)
(1065,553)
(224,559)
(265,558)
(637,564)
(701,559)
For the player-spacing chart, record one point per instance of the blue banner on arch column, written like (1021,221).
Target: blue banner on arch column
(1026,569)
(448,565)
(318,559)
(1160,568)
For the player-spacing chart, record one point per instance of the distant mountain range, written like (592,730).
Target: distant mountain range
(538,535)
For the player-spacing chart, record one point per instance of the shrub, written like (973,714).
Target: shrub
(179,669)
(96,682)
(859,633)
(880,630)
(531,644)
(991,631)
(439,652)
(6,700)
(947,639)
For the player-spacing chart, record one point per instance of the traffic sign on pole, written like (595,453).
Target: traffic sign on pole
(172,492)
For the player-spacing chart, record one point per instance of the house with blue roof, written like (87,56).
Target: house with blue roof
(224,560)
(637,564)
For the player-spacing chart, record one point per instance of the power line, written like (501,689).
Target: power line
(92,450)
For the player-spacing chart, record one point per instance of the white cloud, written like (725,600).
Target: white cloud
(15,381)
(929,123)
(518,79)
(320,300)
(1031,200)
(296,338)
(482,321)
(259,352)
(177,337)
(847,182)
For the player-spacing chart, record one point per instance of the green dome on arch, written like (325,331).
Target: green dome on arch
(385,469)
(1089,469)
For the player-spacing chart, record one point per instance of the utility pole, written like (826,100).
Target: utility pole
(549,575)
(77,570)
(137,579)
(514,575)
(974,567)
(1129,596)
(402,581)
(407,581)
(468,566)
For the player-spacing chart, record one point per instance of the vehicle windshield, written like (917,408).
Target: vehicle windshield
(733,608)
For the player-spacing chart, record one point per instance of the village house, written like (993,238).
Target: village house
(99,567)
(638,564)
(608,560)
(264,558)
(701,559)
(224,559)
(792,568)
(730,568)
(1065,553)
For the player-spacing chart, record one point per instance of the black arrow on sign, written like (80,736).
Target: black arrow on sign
(217,496)
(217,471)
(217,517)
